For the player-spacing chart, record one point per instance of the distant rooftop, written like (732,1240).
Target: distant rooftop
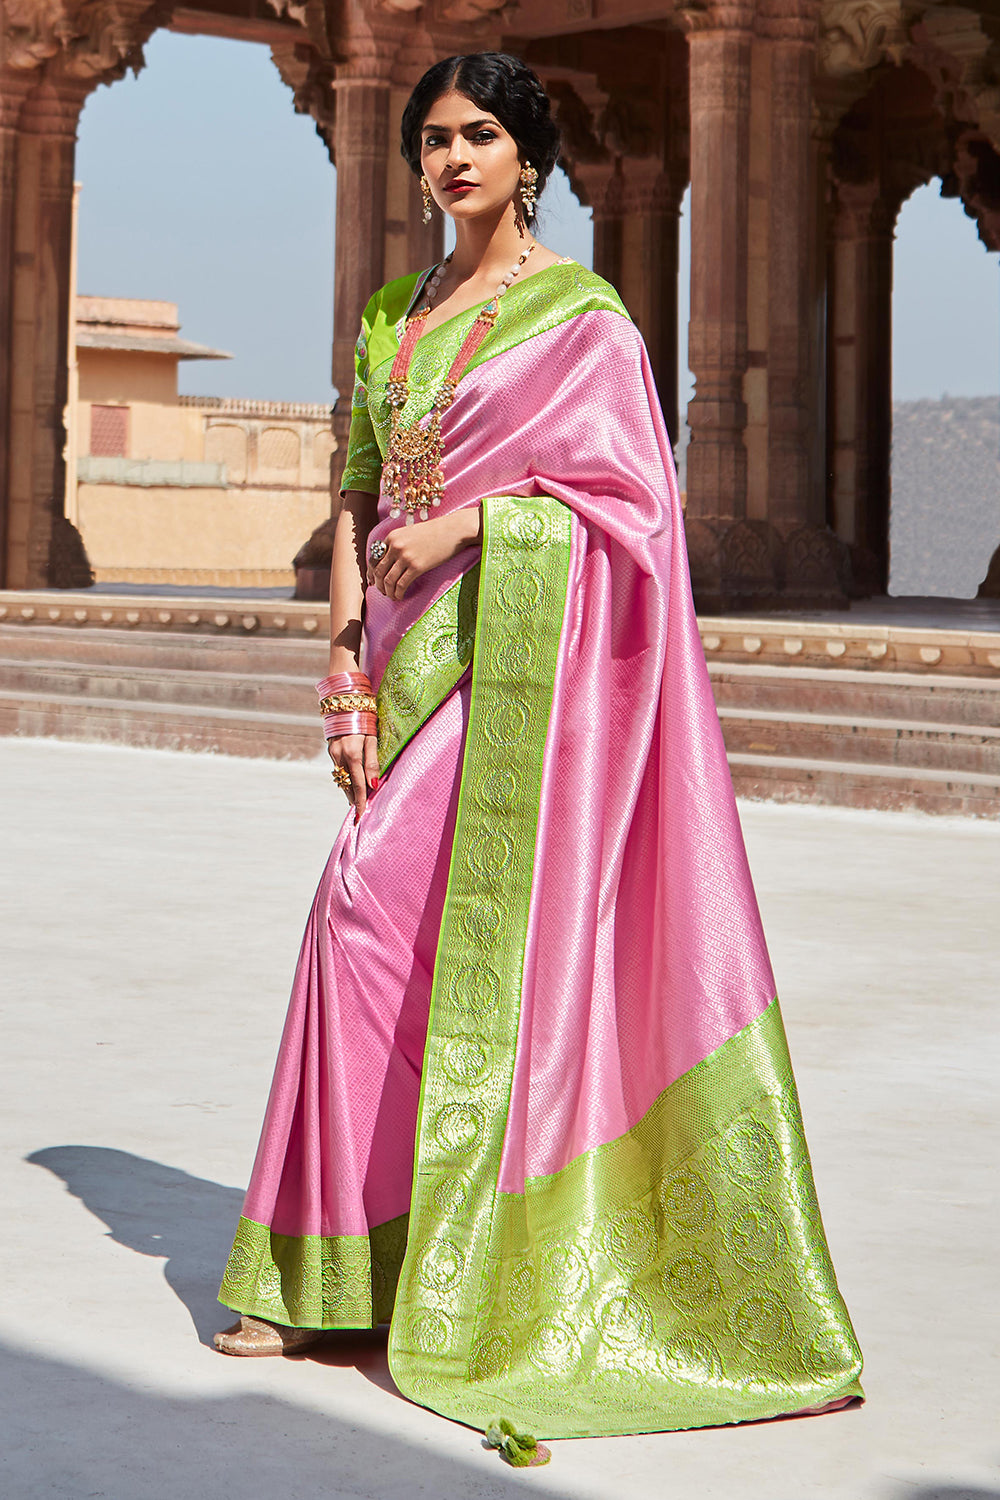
(138,325)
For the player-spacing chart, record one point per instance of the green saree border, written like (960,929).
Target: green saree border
(312,1280)
(428,663)
(475,999)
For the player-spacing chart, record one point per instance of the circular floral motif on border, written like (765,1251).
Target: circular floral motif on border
(401,698)
(687,1202)
(497,791)
(476,990)
(830,1351)
(522,1285)
(481,920)
(441,647)
(521,590)
(625,1321)
(692,1356)
(566,1272)
(630,1240)
(430,1331)
(751,1153)
(513,656)
(761,1321)
(755,1236)
(691,1281)
(506,723)
(467,1060)
(491,853)
(451,1194)
(553,1346)
(241,1262)
(440,1265)
(458,1127)
(269,1282)
(491,1356)
(526,528)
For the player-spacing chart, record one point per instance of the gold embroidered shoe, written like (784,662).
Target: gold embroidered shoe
(254,1338)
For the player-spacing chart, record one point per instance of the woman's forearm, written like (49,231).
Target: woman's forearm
(358,514)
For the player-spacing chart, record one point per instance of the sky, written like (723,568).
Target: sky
(201,185)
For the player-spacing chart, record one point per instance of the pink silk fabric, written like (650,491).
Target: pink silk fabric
(645,951)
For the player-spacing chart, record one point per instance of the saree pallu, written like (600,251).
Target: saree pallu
(533,1101)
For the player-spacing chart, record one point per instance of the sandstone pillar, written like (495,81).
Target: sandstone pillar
(717,336)
(40,546)
(14,89)
(361,146)
(859,412)
(603,191)
(794,498)
(650,250)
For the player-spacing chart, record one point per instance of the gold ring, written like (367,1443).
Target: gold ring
(342,777)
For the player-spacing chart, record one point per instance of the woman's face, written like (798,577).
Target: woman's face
(468,158)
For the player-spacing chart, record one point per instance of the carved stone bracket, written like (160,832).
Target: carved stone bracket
(93,40)
(856,35)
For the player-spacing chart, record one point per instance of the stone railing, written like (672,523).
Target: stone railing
(233,406)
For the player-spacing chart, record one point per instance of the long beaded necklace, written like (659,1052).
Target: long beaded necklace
(412,476)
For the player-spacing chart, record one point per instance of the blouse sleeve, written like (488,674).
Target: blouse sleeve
(363,469)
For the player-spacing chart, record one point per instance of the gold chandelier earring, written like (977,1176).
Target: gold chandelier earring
(529,192)
(425,188)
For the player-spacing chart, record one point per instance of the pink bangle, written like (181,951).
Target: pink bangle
(335,725)
(344,682)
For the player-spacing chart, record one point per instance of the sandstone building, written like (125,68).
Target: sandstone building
(801,125)
(165,488)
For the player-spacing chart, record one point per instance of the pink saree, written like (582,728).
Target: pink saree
(533,1103)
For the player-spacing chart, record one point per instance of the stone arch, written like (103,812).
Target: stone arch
(227,443)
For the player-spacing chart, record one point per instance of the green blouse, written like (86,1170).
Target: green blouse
(541,301)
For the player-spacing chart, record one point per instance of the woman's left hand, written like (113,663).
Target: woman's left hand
(414,550)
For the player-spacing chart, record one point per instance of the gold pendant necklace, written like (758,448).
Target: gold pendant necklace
(412,476)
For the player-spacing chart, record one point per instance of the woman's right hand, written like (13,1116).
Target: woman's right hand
(358,754)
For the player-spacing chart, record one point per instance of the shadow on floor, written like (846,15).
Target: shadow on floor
(72,1432)
(188,1222)
(156,1210)
(949,1492)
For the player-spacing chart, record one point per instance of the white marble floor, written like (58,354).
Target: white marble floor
(152,909)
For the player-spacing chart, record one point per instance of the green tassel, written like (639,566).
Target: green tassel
(519,1449)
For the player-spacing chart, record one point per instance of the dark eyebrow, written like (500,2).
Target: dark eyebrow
(472,125)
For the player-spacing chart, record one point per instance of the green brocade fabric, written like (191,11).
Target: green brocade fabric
(532,306)
(312,1280)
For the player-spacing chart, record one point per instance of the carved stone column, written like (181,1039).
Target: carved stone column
(859,410)
(37,550)
(717,338)
(794,497)
(361,145)
(602,188)
(650,251)
(731,563)
(14,89)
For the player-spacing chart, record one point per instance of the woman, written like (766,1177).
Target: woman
(533,1101)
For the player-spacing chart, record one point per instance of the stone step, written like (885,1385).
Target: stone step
(244,692)
(161,726)
(909,743)
(924,697)
(130,650)
(847,784)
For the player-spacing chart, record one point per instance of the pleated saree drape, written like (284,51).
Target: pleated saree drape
(533,1101)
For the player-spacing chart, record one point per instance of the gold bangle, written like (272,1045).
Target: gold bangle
(349,703)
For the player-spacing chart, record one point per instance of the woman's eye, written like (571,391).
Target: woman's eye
(481,137)
(433,140)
